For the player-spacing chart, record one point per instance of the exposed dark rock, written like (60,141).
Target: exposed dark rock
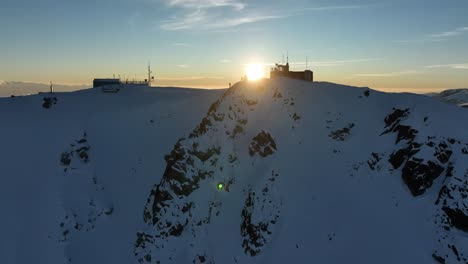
(202,128)
(366,93)
(395,117)
(251,102)
(419,176)
(372,162)
(199,259)
(405,133)
(443,152)
(277,95)
(253,234)
(65,159)
(81,150)
(296,117)
(444,194)
(206,155)
(82,141)
(142,239)
(237,130)
(49,102)
(439,259)
(457,218)
(341,134)
(262,144)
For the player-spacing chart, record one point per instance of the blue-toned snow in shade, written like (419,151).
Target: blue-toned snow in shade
(393,45)
(309,173)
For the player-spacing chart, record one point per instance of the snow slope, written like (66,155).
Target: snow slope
(453,96)
(88,211)
(8,89)
(310,173)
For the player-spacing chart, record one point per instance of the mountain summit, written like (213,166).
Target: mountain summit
(273,172)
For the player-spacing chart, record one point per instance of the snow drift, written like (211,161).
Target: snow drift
(310,172)
(453,96)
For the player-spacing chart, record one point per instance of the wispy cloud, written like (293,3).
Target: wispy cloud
(202,4)
(386,74)
(225,61)
(191,78)
(446,34)
(332,63)
(183,66)
(422,40)
(185,45)
(461,66)
(218,15)
(326,8)
(436,37)
(211,15)
(237,21)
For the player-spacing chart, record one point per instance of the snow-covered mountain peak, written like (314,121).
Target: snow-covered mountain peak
(277,147)
(274,171)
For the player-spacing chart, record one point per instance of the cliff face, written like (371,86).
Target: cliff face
(280,171)
(318,170)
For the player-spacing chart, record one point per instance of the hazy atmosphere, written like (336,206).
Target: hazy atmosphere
(398,45)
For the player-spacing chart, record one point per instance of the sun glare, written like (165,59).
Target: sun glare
(254,72)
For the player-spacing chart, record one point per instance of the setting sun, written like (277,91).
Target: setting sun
(254,72)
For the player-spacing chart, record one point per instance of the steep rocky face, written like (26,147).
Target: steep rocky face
(250,142)
(89,206)
(422,161)
(185,201)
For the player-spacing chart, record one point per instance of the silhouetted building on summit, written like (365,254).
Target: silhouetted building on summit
(104,82)
(283,71)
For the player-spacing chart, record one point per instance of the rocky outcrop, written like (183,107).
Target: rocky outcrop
(262,144)
(48,102)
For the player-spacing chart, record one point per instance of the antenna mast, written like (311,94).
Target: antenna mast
(149,74)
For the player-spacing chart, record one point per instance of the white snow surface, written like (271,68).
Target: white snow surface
(305,167)
(453,96)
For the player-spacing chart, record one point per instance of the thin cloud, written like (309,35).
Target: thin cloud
(462,66)
(240,21)
(404,41)
(225,61)
(183,66)
(386,74)
(223,14)
(187,21)
(202,4)
(211,15)
(182,45)
(192,78)
(437,37)
(333,63)
(326,8)
(446,34)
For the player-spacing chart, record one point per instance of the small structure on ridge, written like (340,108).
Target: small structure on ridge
(283,71)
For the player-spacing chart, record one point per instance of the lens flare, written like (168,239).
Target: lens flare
(254,72)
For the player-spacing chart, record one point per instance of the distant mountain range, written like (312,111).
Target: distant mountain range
(9,88)
(453,96)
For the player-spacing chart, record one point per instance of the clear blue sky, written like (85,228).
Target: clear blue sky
(396,44)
